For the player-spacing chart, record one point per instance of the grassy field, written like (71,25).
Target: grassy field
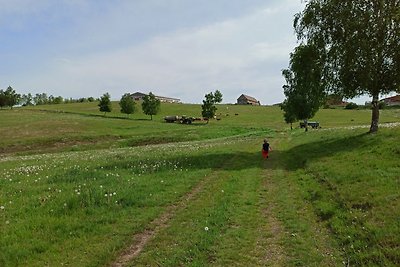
(80,189)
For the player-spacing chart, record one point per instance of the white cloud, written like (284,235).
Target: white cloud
(238,55)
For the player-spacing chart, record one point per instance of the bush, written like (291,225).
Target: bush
(351,105)
(381,105)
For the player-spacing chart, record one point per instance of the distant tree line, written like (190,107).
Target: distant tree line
(44,99)
(10,98)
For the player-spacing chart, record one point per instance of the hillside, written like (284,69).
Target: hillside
(80,189)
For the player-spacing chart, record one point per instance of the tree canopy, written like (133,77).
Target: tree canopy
(358,44)
(127,104)
(9,97)
(151,105)
(304,90)
(105,103)
(208,108)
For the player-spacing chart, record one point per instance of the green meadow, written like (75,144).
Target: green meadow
(78,188)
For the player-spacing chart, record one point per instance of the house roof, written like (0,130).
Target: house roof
(395,98)
(249,98)
(138,94)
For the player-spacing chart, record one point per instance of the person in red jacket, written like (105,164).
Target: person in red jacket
(265,149)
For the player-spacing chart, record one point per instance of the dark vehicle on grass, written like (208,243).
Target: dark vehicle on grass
(312,124)
(183,119)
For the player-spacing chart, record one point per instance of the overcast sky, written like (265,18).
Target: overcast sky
(175,48)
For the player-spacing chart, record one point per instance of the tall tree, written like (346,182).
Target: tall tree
(151,105)
(359,46)
(304,89)
(105,103)
(127,104)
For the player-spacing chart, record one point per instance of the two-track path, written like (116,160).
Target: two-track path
(275,235)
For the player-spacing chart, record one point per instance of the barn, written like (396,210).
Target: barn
(247,100)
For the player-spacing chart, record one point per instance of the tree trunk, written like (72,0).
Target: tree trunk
(306,125)
(375,114)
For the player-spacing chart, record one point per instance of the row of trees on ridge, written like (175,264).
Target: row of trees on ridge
(150,105)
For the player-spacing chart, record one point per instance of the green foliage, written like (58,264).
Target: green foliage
(9,97)
(105,103)
(3,99)
(351,105)
(303,90)
(151,105)
(359,46)
(289,115)
(382,105)
(41,99)
(217,96)
(127,104)
(208,108)
(27,100)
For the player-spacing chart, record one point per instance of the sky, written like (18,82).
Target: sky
(175,48)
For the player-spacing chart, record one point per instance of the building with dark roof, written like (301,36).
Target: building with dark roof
(247,100)
(392,101)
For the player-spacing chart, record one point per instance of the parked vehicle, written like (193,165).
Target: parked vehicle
(183,119)
(313,124)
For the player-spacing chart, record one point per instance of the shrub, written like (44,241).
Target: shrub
(351,105)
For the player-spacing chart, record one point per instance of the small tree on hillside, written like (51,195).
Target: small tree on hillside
(151,105)
(127,104)
(217,96)
(105,103)
(12,98)
(208,108)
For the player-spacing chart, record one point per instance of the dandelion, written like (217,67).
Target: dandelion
(7,222)
(2,207)
(206,228)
